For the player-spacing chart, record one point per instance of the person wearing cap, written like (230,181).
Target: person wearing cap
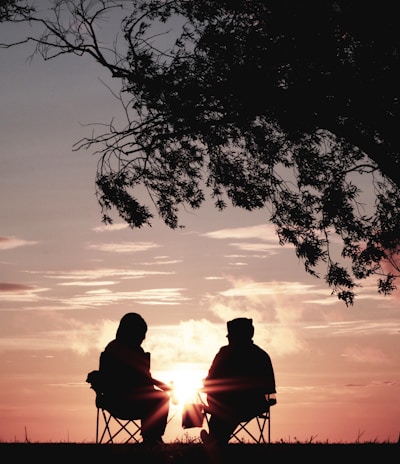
(239,381)
(129,388)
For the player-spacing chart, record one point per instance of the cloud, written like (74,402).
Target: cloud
(104,297)
(82,275)
(366,355)
(188,343)
(75,336)
(14,292)
(160,262)
(367,291)
(98,295)
(111,227)
(256,247)
(264,244)
(193,342)
(356,328)
(124,247)
(10,287)
(255,289)
(274,307)
(99,283)
(264,232)
(8,243)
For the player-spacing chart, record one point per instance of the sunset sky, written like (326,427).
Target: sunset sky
(66,280)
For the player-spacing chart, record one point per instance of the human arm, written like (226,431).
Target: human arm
(161,385)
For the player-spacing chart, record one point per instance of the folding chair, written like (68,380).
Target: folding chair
(263,421)
(109,427)
(243,432)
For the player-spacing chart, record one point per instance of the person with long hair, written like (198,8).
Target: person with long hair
(130,391)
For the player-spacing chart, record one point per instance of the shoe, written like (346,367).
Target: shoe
(150,442)
(206,438)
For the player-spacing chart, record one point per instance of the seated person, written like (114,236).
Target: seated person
(238,383)
(129,390)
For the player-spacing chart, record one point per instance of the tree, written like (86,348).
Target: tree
(11,9)
(282,105)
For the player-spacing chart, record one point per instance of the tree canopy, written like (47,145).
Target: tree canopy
(290,107)
(13,9)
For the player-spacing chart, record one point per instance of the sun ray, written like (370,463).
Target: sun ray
(186,379)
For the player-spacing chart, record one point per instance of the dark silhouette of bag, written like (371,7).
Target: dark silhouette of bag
(192,415)
(96,381)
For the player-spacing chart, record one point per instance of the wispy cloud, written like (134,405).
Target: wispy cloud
(191,342)
(10,287)
(81,275)
(75,336)
(275,308)
(256,289)
(270,249)
(123,247)
(99,283)
(367,355)
(15,292)
(112,227)
(160,262)
(194,342)
(8,243)
(259,240)
(105,297)
(359,327)
(264,232)
(362,329)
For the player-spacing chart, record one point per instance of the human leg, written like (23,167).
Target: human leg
(219,430)
(155,416)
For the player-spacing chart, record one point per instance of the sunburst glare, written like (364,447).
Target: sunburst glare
(186,380)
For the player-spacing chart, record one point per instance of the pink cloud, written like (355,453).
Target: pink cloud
(10,287)
(7,243)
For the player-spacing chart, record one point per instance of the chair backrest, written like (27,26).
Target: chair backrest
(98,382)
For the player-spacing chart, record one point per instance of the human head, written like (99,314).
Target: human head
(240,329)
(132,329)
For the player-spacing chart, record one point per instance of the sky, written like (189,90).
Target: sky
(66,280)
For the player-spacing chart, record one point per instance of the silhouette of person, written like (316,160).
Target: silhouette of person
(238,383)
(130,390)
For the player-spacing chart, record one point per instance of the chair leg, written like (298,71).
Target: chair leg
(261,423)
(106,428)
(124,426)
(108,436)
(97,425)
(240,427)
(261,426)
(99,439)
(265,420)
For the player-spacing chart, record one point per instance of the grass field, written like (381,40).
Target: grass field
(198,454)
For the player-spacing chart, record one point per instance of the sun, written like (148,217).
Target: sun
(186,381)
